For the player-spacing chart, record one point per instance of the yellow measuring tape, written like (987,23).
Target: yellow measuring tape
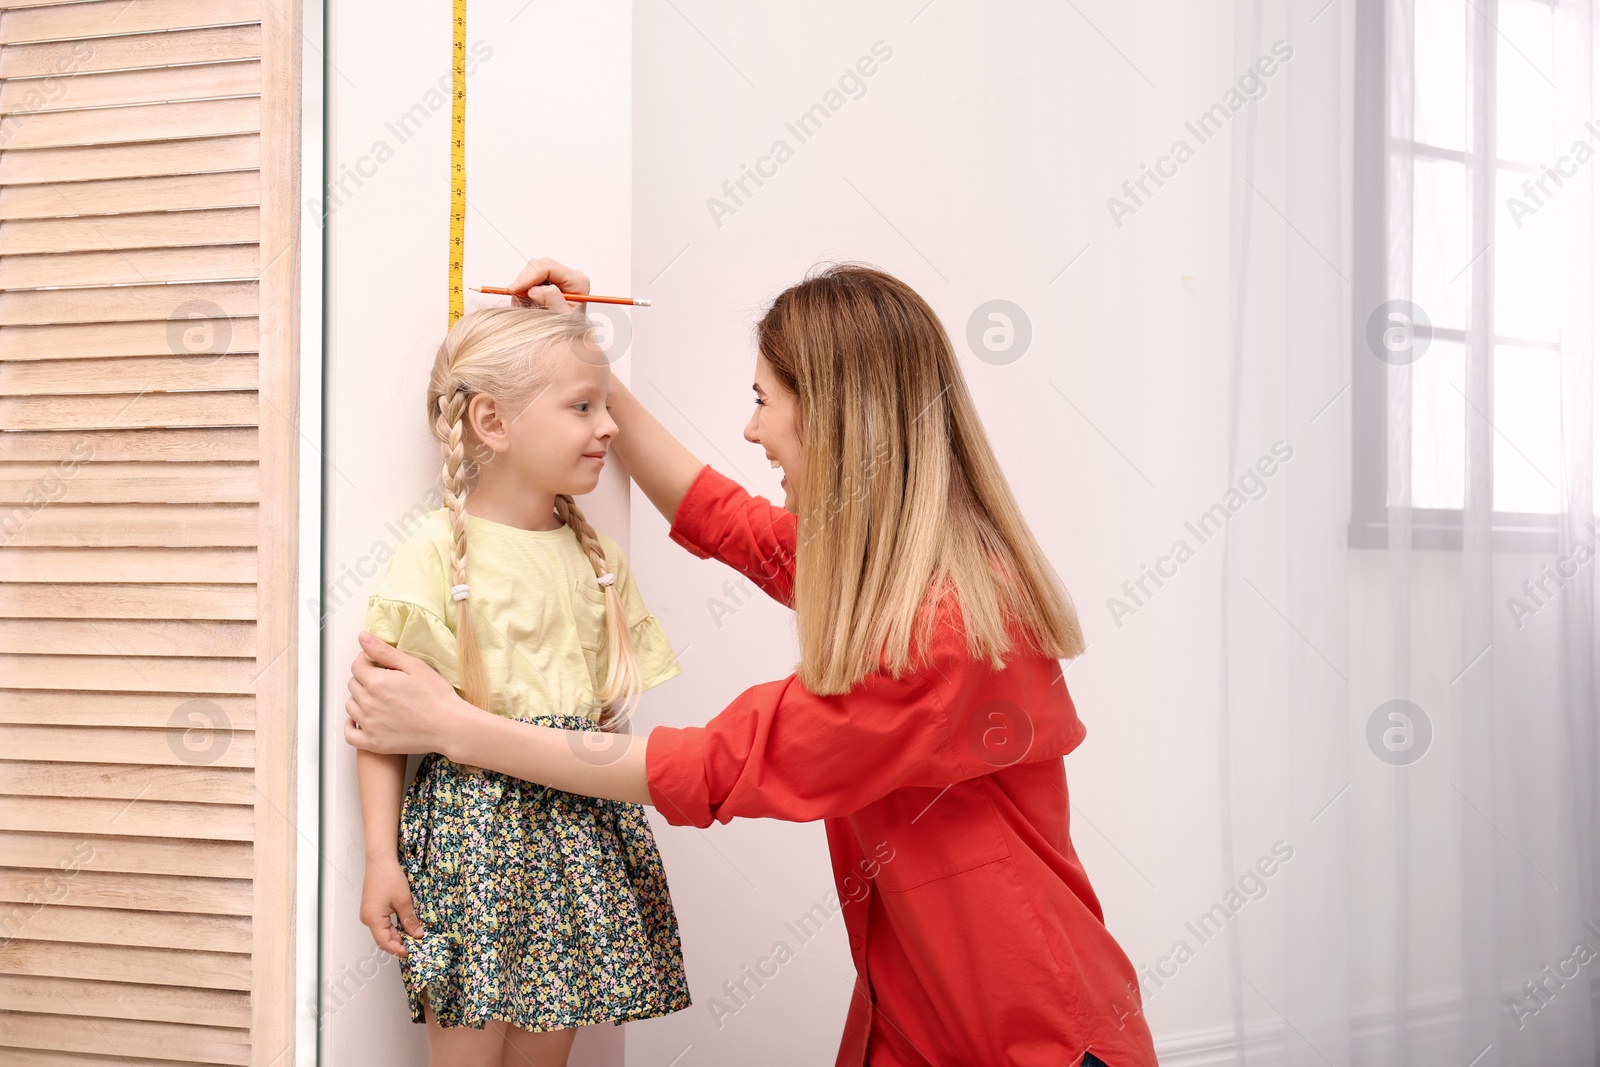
(458,158)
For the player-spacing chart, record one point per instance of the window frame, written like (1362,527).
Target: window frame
(1372,151)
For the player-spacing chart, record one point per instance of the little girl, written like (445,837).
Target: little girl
(536,911)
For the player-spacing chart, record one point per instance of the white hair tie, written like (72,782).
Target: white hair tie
(459,592)
(607,578)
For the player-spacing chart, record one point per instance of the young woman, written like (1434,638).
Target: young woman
(927,717)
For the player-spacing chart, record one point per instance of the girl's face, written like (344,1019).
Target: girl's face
(558,441)
(775,427)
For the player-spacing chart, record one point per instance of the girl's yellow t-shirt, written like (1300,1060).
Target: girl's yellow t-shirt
(538,612)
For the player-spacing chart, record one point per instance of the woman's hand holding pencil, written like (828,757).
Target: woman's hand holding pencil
(549,283)
(546,283)
(543,281)
(579,298)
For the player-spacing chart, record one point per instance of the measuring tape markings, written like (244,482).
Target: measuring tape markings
(458,158)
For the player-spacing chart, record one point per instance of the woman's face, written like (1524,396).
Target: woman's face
(775,427)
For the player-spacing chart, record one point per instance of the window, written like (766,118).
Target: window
(1485,260)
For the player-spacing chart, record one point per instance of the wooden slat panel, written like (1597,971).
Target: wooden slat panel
(131,266)
(135,122)
(174,445)
(197,317)
(103,600)
(122,16)
(132,855)
(154,892)
(32,1057)
(135,587)
(132,483)
(153,229)
(200,81)
(123,1038)
(194,785)
(118,637)
(130,375)
(139,525)
(129,674)
(120,709)
(84,412)
(131,51)
(101,744)
(142,160)
(123,1000)
(150,929)
(210,566)
(136,483)
(102,340)
(131,818)
(178,192)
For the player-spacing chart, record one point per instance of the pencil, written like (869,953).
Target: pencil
(581,298)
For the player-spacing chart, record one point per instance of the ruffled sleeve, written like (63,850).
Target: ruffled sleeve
(414,629)
(657,664)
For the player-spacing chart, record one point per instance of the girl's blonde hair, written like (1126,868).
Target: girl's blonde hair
(506,352)
(902,497)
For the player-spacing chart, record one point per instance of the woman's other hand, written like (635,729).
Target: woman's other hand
(384,891)
(398,704)
(543,281)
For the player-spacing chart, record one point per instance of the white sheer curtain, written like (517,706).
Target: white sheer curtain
(1409,619)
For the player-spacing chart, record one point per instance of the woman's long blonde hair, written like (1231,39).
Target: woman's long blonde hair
(902,497)
(506,353)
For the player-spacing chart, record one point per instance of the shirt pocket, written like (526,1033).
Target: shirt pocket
(931,834)
(589,613)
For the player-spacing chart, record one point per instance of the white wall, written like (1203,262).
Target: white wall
(976,165)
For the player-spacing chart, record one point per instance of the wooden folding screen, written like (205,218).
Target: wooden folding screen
(149,274)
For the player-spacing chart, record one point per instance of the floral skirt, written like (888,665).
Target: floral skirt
(543,909)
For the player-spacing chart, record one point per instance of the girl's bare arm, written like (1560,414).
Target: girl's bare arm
(381,780)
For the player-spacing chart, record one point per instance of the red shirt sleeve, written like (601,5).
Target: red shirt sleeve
(719,518)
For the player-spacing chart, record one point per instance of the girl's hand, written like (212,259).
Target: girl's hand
(384,891)
(543,281)
(398,704)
